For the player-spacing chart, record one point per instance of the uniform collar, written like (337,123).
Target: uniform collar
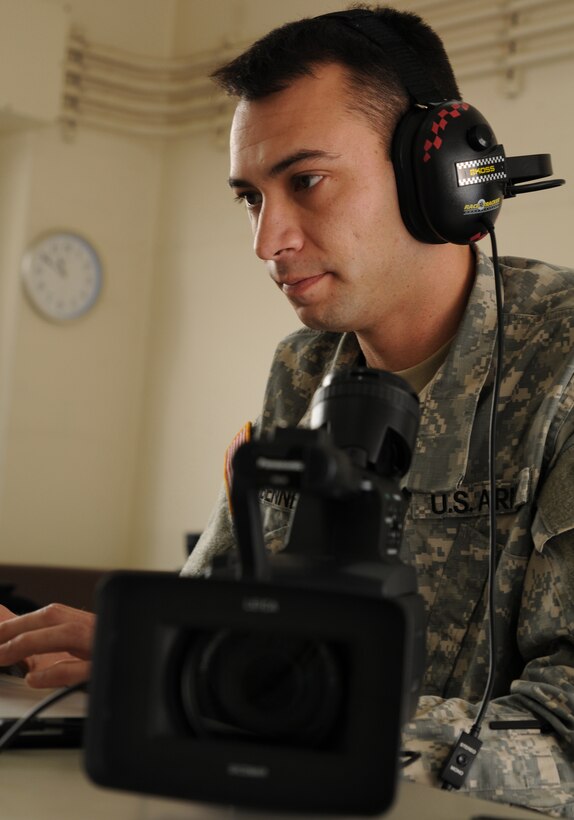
(449,408)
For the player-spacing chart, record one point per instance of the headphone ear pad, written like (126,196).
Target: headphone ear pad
(403,163)
(449,171)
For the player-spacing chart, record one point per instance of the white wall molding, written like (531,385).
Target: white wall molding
(150,97)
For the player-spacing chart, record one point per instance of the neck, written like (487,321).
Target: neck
(430,315)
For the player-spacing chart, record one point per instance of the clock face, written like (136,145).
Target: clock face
(62,275)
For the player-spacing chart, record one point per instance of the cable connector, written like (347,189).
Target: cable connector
(462,756)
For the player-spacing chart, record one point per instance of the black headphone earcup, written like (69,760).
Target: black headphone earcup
(403,164)
(450,173)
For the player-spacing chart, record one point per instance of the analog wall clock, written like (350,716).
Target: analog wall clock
(62,275)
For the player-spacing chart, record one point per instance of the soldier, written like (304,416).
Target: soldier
(311,158)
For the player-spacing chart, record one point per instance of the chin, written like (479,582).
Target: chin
(317,321)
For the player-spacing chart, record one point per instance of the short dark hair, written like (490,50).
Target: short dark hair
(376,89)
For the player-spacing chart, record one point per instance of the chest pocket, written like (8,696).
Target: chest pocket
(452,576)
(446,539)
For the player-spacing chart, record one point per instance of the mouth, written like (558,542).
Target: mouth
(297,287)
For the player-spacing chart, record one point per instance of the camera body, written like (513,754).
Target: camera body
(280,682)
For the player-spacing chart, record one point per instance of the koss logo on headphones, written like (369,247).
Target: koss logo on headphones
(486,169)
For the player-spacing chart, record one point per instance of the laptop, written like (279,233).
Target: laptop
(60,725)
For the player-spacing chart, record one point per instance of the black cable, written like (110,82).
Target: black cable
(465,750)
(408,758)
(475,731)
(22,722)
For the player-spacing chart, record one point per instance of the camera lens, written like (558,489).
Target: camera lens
(267,686)
(372,414)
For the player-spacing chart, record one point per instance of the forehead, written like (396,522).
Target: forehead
(313,112)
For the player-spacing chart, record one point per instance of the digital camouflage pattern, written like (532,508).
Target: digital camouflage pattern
(446,528)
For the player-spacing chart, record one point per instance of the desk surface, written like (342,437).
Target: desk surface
(51,784)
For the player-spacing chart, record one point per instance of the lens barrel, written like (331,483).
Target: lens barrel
(274,687)
(373,415)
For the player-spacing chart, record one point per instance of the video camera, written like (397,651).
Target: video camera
(280,682)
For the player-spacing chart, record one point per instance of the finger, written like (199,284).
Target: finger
(64,673)
(6,614)
(35,663)
(75,638)
(51,615)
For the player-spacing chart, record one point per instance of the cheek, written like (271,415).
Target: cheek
(373,220)
(381,218)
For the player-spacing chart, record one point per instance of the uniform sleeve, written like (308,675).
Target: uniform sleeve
(526,767)
(218,536)
(216,539)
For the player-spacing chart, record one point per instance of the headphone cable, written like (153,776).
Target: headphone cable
(465,750)
(492,481)
(20,724)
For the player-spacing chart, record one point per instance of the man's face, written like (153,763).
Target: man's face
(320,192)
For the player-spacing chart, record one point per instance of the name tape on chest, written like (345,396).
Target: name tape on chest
(473,499)
(466,500)
(283,500)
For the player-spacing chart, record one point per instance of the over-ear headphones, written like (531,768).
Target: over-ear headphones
(451,173)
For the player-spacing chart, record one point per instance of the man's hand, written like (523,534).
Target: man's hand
(53,644)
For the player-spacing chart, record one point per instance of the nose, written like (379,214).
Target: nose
(276,230)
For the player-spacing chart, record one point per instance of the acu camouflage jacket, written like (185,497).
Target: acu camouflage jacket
(446,529)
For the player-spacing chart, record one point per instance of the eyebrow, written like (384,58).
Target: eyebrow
(284,164)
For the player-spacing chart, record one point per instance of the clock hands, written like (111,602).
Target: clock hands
(56,264)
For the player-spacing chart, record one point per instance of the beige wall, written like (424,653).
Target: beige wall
(70,408)
(535,122)
(112,430)
(74,418)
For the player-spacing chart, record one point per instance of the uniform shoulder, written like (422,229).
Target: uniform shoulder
(300,362)
(537,288)
(306,343)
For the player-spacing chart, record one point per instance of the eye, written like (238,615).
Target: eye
(251,199)
(302,182)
